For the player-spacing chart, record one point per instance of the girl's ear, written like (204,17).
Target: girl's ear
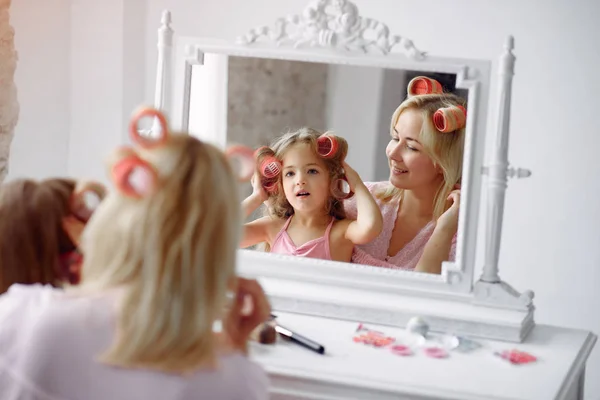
(73,226)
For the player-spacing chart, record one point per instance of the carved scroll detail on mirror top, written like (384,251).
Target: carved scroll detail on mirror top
(332,24)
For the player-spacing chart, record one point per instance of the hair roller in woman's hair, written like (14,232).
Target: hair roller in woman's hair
(424,85)
(449,119)
(327,146)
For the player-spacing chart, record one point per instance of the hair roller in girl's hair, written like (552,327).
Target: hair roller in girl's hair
(327,146)
(85,199)
(269,168)
(134,177)
(423,85)
(158,138)
(340,188)
(450,119)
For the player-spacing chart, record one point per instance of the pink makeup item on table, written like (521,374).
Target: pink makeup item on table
(402,350)
(375,339)
(435,352)
(516,357)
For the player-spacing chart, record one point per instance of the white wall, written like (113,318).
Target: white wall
(42,34)
(551,228)
(107,79)
(355,91)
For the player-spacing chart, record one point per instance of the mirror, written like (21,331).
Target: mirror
(260,99)
(192,86)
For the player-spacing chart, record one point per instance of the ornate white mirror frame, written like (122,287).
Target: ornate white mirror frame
(333,32)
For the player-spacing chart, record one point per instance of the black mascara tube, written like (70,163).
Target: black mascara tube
(299,339)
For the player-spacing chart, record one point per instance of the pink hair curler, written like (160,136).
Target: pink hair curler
(424,85)
(134,177)
(340,188)
(270,185)
(450,119)
(270,167)
(242,160)
(327,146)
(148,142)
(85,199)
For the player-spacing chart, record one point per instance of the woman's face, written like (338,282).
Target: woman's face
(410,166)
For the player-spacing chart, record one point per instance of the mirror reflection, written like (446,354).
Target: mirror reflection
(355,164)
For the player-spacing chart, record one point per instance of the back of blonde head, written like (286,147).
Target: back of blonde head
(445,149)
(172,254)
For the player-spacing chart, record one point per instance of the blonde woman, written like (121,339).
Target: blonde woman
(159,259)
(420,202)
(40,227)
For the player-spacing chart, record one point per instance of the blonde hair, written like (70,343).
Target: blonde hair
(172,254)
(32,236)
(444,149)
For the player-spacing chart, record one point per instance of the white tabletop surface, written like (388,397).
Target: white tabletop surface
(479,374)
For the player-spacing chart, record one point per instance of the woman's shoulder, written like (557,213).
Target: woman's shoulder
(19,299)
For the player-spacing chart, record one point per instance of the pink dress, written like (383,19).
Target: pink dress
(49,341)
(316,248)
(375,253)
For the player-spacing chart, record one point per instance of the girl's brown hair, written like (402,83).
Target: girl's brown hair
(32,236)
(279,207)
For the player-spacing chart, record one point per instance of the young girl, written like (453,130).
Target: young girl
(40,226)
(305,213)
(159,258)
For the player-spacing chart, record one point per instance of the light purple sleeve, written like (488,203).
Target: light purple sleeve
(253,383)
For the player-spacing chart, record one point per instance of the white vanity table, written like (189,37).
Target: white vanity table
(326,300)
(350,370)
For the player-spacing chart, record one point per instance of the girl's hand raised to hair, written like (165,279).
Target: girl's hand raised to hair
(257,188)
(352,176)
(249,309)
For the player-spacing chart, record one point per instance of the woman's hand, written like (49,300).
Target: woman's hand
(449,219)
(249,309)
(352,176)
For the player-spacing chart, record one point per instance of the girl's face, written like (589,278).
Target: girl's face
(410,167)
(305,179)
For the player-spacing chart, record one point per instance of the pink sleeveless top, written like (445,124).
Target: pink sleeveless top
(316,248)
(375,253)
